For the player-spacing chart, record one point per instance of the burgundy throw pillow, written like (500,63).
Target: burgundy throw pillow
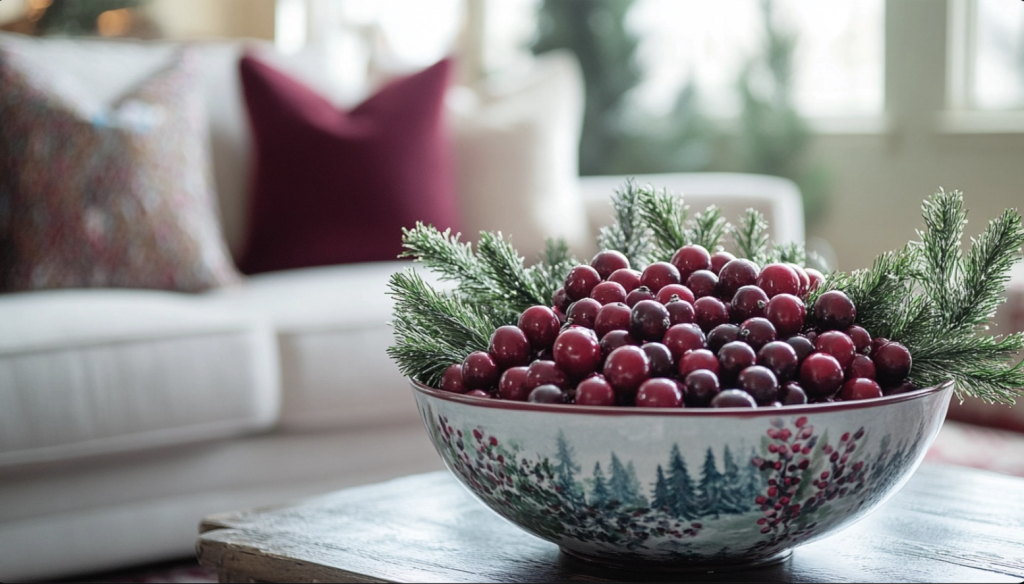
(331,186)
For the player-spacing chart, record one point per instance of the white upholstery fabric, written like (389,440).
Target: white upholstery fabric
(89,372)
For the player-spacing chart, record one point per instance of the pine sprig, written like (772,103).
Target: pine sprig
(750,235)
(665,216)
(548,274)
(707,229)
(444,254)
(944,220)
(628,233)
(790,253)
(986,271)
(513,286)
(978,364)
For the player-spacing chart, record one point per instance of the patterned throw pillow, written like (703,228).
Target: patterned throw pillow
(118,196)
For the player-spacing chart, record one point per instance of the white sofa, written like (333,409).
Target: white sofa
(128,415)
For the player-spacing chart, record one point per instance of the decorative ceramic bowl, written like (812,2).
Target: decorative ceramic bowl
(671,489)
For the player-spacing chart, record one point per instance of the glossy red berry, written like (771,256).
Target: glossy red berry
(820,375)
(665,295)
(860,388)
(892,363)
(626,368)
(660,357)
(580,281)
(478,393)
(702,283)
(480,371)
(608,292)
(681,338)
(680,311)
(760,383)
(543,371)
(719,259)
(512,385)
(690,258)
(861,339)
(780,358)
(659,393)
(904,387)
(722,334)
(787,313)
(615,339)
(861,366)
(630,279)
(805,280)
(649,320)
(777,279)
(710,312)
(733,358)
(451,380)
(658,275)
(793,394)
(546,394)
(733,398)
(611,317)
(736,274)
(583,312)
(802,345)
(699,388)
(699,359)
(834,311)
(607,261)
(757,332)
(641,293)
(838,345)
(577,353)
(748,302)
(540,325)
(595,391)
(560,300)
(816,277)
(509,347)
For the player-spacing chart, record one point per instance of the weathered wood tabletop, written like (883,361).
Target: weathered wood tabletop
(948,524)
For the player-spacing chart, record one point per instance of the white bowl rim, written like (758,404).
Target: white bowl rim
(569,409)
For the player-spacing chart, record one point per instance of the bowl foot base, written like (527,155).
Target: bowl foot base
(679,566)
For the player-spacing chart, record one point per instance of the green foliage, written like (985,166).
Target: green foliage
(750,235)
(629,233)
(707,229)
(75,17)
(665,215)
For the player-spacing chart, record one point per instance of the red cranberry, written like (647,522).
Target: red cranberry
(748,302)
(512,385)
(658,275)
(479,371)
(722,334)
(546,394)
(860,388)
(615,339)
(710,312)
(861,339)
(719,259)
(626,368)
(838,345)
(577,353)
(699,388)
(659,393)
(877,344)
(699,359)
(904,387)
(560,314)
(691,258)
(760,383)
(781,358)
(861,366)
(607,261)
(665,295)
(681,338)
(834,310)
(580,281)
(820,375)
(702,283)
(777,279)
(757,332)
(787,313)
(892,363)
(733,398)
(793,394)
(661,359)
(509,347)
(611,317)
(583,312)
(733,358)
(560,300)
(641,293)
(680,311)
(540,325)
(543,372)
(452,379)
(478,393)
(595,391)
(802,345)
(735,275)
(805,280)
(630,279)
(816,277)
(648,320)
(608,292)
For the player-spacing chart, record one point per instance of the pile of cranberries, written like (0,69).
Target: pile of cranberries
(704,330)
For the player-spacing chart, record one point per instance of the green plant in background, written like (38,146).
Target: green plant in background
(78,17)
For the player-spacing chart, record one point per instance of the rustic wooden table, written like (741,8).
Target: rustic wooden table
(948,524)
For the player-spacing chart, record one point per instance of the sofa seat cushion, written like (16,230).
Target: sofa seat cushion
(91,372)
(333,336)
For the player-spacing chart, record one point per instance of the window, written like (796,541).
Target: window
(986,55)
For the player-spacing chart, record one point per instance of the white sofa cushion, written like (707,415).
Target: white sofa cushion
(90,372)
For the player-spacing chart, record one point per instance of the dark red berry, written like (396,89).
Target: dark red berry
(577,353)
(702,283)
(615,339)
(760,383)
(512,385)
(560,300)
(681,338)
(820,375)
(648,320)
(719,259)
(478,393)
(735,275)
(607,261)
(860,388)
(540,325)
(626,368)
(892,363)
(451,380)
(876,344)
(560,314)
(733,398)
(665,295)
(580,281)
(680,311)
(733,358)
(757,332)
(787,313)
(793,394)
(543,372)
(659,393)
(802,345)
(611,317)
(583,312)
(699,359)
(722,334)
(861,366)
(658,275)
(861,339)
(641,293)
(777,279)
(691,258)
(595,391)
(805,280)
(710,312)
(699,388)
(834,311)
(781,358)
(748,302)
(904,387)
(546,394)
(608,292)
(660,357)
(479,371)
(838,345)
(630,279)
(509,347)
(816,277)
